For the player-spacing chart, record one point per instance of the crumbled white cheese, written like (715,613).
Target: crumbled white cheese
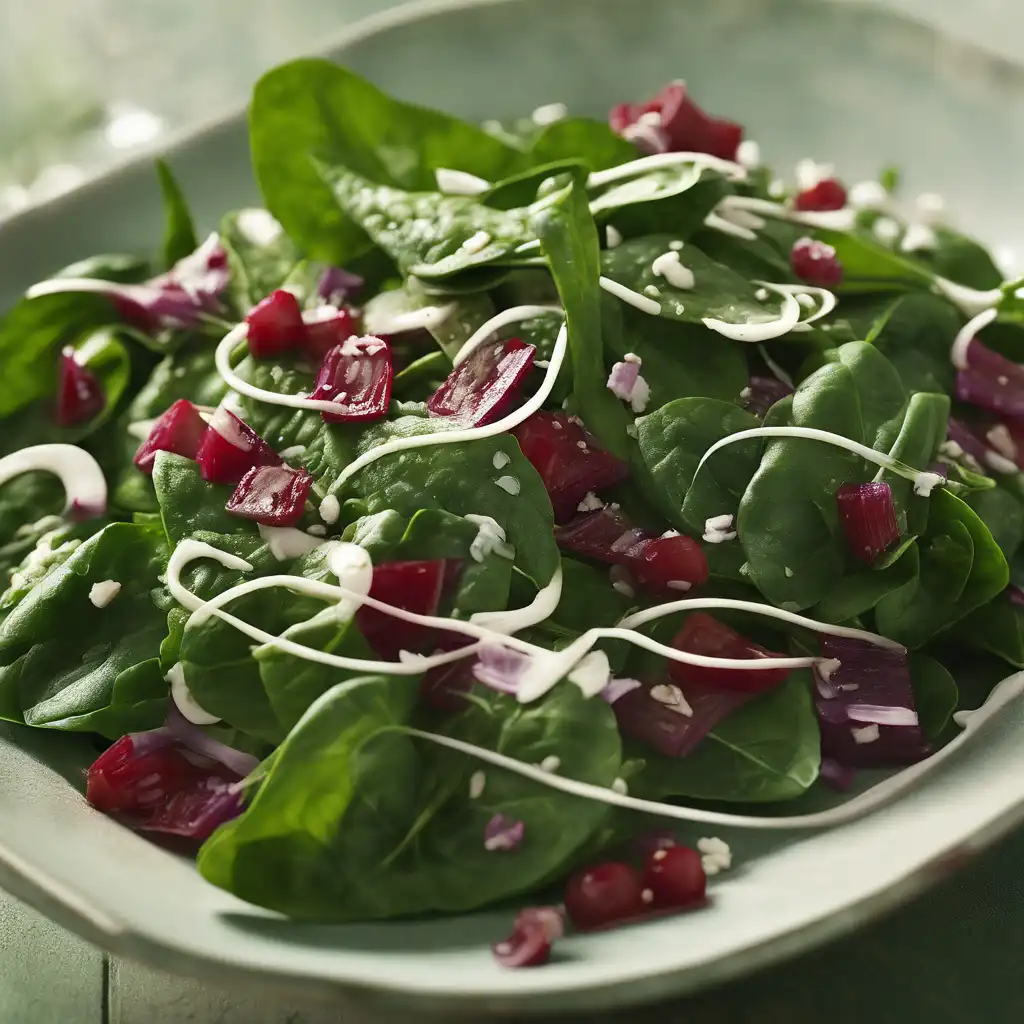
(788,571)
(500,460)
(672,697)
(930,207)
(718,529)
(1001,439)
(619,786)
(886,230)
(640,395)
(549,113)
(925,483)
(551,763)
(613,237)
(459,183)
(918,238)
(316,530)
(1000,464)
(748,154)
(477,242)
(477,781)
(675,245)
(681,585)
(668,266)
(590,503)
(101,594)
(653,290)
(762,294)
(864,734)
(510,484)
(868,195)
(330,509)
(489,539)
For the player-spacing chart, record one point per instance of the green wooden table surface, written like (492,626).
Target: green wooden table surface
(954,955)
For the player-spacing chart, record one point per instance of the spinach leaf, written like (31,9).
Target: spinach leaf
(916,334)
(1003,514)
(962,568)
(935,694)
(385,826)
(678,360)
(188,503)
(30,506)
(580,138)
(788,522)
(261,259)
(179,232)
(997,626)
(961,259)
(868,266)
(754,258)
(766,750)
(569,240)
(67,664)
(460,478)
(672,441)
(857,592)
(314,107)
(718,292)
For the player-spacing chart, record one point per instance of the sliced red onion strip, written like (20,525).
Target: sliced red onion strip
(195,739)
(617,688)
(500,668)
(337,284)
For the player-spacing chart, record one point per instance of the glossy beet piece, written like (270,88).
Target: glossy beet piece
(991,381)
(672,119)
(816,263)
(675,878)
(670,721)
(275,325)
(828,194)
(411,586)
(80,395)
(323,335)
(158,785)
(358,375)
(605,894)
(568,459)
(868,518)
(180,430)
(762,393)
(704,634)
(271,495)
(482,388)
(230,448)
(661,565)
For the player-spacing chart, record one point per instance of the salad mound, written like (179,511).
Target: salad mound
(420,539)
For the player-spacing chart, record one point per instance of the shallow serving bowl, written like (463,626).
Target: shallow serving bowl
(835,81)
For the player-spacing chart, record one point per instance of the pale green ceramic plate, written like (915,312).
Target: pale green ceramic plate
(837,82)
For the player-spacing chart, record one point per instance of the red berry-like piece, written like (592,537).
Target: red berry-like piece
(675,878)
(230,448)
(180,430)
(357,375)
(828,194)
(322,335)
(80,395)
(816,263)
(275,325)
(271,495)
(606,894)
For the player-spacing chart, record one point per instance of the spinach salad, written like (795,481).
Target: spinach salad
(411,541)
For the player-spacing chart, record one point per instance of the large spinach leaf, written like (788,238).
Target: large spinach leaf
(179,232)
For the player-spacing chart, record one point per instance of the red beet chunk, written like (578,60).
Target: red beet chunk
(358,375)
(828,194)
(675,878)
(568,459)
(275,325)
(604,535)
(529,945)
(868,516)
(816,263)
(80,395)
(483,386)
(180,430)
(156,785)
(230,448)
(271,495)
(323,335)
(411,586)
(704,634)
(606,894)
(671,121)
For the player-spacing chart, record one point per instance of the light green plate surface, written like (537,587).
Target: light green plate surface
(840,83)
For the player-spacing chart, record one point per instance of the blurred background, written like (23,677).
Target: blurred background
(84,82)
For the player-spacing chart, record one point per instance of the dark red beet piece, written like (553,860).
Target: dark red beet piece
(675,878)
(529,945)
(606,894)
(275,325)
(704,634)
(271,495)
(679,125)
(568,459)
(162,787)
(483,386)
(323,335)
(80,395)
(868,518)
(444,688)
(358,375)
(762,393)
(230,448)
(180,430)
(991,381)
(411,586)
(828,194)
(816,263)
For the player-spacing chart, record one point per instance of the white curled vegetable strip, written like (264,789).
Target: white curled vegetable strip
(79,473)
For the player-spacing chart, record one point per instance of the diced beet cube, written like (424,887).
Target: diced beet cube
(412,587)
(275,325)
(162,787)
(271,495)
(180,430)
(669,563)
(230,448)
(323,335)
(80,395)
(483,386)
(568,459)
(704,634)
(868,517)
(604,535)
(816,263)
(358,375)
(828,194)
